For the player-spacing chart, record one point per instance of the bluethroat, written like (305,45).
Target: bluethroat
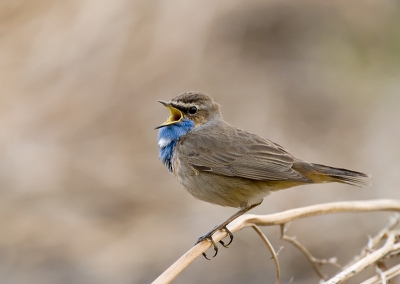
(221,164)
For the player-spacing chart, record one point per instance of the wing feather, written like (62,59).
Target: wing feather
(229,151)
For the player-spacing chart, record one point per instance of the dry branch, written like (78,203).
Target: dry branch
(367,260)
(283,217)
(272,251)
(315,263)
(390,273)
(373,242)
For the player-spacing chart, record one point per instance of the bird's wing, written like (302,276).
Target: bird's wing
(237,153)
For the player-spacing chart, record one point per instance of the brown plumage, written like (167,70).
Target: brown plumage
(221,164)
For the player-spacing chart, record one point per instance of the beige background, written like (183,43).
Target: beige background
(83,196)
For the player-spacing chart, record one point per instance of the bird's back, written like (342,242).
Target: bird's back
(224,165)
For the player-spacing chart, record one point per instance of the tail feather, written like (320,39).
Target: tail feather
(320,173)
(342,175)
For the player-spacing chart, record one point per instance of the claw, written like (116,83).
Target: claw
(202,238)
(230,237)
(222,226)
(215,249)
(208,236)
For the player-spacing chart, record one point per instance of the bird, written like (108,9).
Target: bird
(224,165)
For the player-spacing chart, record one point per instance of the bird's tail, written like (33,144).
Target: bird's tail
(320,173)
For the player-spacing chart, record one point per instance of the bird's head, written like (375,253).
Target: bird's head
(197,107)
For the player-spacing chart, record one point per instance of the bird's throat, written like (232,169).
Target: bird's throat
(168,136)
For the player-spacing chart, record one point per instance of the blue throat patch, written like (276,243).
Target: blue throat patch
(167,138)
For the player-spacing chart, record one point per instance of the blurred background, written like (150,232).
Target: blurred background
(83,196)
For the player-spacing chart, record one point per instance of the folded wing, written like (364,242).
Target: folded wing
(237,153)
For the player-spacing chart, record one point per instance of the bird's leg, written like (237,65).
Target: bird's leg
(222,226)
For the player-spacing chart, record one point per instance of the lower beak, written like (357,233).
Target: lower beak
(175,115)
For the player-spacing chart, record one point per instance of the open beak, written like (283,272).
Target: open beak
(175,115)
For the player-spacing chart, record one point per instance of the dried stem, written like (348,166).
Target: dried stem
(272,251)
(389,274)
(315,262)
(380,274)
(373,242)
(281,218)
(368,260)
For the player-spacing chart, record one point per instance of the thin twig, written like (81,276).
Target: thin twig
(313,260)
(373,242)
(380,274)
(272,251)
(279,250)
(389,274)
(366,261)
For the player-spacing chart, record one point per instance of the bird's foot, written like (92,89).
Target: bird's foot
(230,237)
(208,236)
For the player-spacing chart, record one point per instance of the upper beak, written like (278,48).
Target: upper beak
(175,115)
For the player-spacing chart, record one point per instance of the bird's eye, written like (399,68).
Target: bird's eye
(192,110)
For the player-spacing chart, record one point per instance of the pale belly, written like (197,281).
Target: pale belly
(223,190)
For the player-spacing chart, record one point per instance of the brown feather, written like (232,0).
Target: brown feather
(229,151)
